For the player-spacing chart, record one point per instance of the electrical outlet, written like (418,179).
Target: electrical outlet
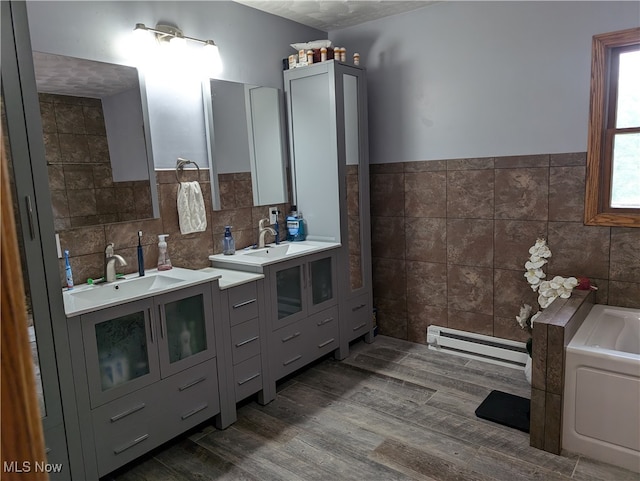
(273,217)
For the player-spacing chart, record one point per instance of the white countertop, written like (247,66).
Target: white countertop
(228,278)
(249,260)
(86,298)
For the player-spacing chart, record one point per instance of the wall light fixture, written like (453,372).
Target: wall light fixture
(176,38)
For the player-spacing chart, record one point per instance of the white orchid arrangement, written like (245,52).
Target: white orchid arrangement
(547,291)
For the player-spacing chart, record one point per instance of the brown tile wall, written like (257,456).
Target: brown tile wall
(82,190)
(86,244)
(552,332)
(450,239)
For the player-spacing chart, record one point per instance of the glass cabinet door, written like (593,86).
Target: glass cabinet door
(321,281)
(121,353)
(289,294)
(186,328)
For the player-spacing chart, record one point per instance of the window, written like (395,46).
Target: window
(613,158)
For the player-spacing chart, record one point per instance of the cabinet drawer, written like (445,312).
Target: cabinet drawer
(290,348)
(243,303)
(247,377)
(360,316)
(191,397)
(126,428)
(245,339)
(326,332)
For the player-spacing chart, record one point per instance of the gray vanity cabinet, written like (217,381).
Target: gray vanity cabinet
(246,333)
(144,371)
(327,119)
(303,311)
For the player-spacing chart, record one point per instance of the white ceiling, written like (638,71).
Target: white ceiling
(327,15)
(57,74)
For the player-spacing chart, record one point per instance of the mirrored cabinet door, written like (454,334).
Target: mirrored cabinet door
(185,328)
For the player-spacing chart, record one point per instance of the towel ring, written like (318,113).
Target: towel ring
(180,163)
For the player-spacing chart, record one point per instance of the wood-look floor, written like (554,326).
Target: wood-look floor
(393,410)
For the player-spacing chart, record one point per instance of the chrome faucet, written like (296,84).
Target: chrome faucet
(262,231)
(110,260)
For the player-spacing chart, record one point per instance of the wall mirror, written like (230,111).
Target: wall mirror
(245,130)
(97,143)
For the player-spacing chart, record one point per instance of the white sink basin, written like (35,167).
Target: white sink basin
(278,252)
(124,289)
(87,298)
(255,260)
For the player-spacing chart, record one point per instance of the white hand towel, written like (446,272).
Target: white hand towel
(191,212)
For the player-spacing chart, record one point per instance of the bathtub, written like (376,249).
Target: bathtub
(601,412)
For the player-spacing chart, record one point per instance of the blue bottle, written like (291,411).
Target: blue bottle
(228,244)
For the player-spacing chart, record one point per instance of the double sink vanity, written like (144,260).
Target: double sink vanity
(154,356)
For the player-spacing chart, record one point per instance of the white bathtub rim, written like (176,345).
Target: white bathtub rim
(583,334)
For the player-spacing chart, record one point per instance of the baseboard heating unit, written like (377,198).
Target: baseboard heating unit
(477,346)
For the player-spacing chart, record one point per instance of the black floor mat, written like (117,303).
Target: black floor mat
(506,409)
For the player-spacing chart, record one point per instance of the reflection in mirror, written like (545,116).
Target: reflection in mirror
(351,124)
(98,150)
(245,129)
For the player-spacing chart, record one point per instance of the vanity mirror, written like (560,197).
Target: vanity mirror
(97,143)
(245,132)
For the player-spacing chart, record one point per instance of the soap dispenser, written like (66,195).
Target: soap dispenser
(164,263)
(228,244)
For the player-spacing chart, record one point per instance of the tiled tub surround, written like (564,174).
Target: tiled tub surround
(86,244)
(82,188)
(450,239)
(552,331)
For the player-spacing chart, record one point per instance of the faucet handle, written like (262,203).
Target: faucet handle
(108,250)
(262,222)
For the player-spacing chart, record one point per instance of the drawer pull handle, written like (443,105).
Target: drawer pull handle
(360,326)
(192,383)
(195,411)
(292,336)
(326,343)
(293,359)
(247,341)
(357,308)
(321,323)
(245,303)
(122,449)
(124,414)
(240,383)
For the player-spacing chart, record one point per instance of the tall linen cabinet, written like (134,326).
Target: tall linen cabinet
(327,121)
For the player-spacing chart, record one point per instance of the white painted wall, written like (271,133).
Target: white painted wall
(252,45)
(481,79)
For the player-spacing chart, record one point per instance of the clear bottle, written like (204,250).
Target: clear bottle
(228,244)
(164,263)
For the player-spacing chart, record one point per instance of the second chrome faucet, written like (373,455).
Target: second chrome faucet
(262,232)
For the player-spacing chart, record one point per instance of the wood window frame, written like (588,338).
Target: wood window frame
(598,178)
